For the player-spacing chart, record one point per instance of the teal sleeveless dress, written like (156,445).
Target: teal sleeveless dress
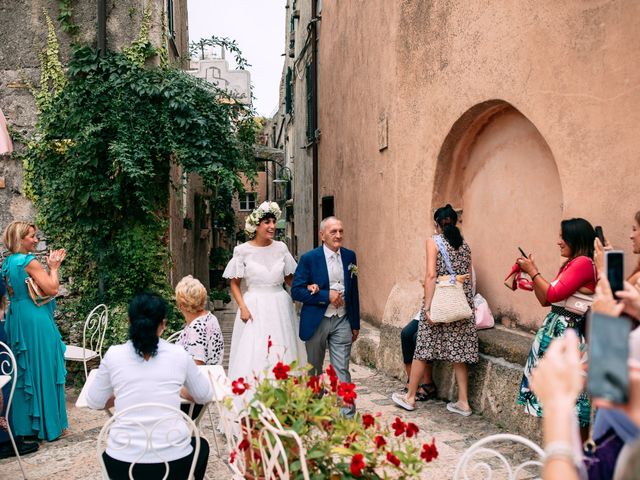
(38,407)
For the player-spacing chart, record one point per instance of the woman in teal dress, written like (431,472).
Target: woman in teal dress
(38,407)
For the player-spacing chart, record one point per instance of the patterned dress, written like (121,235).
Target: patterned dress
(555,325)
(455,342)
(202,338)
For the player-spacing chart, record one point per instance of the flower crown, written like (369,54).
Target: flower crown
(252,221)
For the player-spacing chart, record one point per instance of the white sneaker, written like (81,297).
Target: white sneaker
(455,408)
(401,401)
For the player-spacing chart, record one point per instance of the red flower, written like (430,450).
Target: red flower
(348,392)
(412,429)
(232,456)
(351,438)
(269,344)
(429,451)
(357,464)
(314,384)
(239,386)
(391,458)
(281,371)
(368,420)
(380,441)
(244,444)
(333,377)
(399,426)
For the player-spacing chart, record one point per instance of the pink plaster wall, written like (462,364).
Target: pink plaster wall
(568,67)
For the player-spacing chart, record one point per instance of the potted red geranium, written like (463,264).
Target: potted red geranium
(335,447)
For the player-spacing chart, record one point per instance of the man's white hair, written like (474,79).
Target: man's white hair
(324,221)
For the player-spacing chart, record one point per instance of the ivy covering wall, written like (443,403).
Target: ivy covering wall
(97,167)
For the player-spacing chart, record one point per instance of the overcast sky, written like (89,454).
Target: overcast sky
(258,27)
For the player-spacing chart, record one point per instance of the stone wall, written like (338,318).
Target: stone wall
(23,34)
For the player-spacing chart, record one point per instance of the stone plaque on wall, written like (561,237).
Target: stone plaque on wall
(383,132)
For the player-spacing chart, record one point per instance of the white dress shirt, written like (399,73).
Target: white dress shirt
(336,279)
(135,380)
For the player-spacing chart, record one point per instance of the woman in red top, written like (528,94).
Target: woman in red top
(577,274)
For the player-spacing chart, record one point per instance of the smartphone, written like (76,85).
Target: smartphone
(614,267)
(522,252)
(600,234)
(608,355)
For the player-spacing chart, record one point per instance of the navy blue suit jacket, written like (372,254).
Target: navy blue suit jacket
(312,268)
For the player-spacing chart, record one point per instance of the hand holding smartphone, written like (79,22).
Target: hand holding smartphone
(608,355)
(614,268)
(600,235)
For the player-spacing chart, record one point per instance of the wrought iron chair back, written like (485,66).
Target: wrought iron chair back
(474,462)
(173,338)
(95,329)
(173,418)
(275,463)
(9,368)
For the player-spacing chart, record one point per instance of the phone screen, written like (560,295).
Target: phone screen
(608,355)
(600,234)
(614,261)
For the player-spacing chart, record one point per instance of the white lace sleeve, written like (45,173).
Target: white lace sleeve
(235,267)
(290,264)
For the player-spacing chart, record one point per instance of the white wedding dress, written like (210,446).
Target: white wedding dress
(262,270)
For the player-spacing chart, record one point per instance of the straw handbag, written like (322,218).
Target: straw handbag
(449,303)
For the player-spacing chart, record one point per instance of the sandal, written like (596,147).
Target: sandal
(428,392)
(455,408)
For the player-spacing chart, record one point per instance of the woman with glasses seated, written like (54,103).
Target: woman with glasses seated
(147,369)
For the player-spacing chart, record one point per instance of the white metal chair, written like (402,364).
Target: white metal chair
(9,368)
(273,453)
(138,417)
(470,467)
(93,332)
(173,338)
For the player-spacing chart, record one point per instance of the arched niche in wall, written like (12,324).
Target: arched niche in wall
(496,166)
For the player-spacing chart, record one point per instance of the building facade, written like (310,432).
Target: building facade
(293,128)
(519,115)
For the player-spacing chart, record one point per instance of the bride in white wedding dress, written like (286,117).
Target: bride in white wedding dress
(257,271)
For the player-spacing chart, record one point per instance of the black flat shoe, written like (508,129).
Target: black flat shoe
(24,448)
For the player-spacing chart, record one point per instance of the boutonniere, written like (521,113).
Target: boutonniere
(353,270)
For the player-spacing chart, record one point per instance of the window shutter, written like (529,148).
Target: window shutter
(309,78)
(288,94)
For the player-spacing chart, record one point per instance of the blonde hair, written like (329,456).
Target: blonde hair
(191,295)
(15,232)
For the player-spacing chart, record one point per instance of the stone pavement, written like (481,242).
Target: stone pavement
(74,456)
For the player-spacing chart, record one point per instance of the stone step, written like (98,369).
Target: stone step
(493,382)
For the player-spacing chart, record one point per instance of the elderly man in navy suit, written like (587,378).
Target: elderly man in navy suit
(326,282)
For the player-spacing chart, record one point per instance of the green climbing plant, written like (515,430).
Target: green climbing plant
(65,17)
(98,166)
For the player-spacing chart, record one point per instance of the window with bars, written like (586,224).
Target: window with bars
(248,200)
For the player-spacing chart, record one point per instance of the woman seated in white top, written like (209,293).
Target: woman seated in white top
(148,369)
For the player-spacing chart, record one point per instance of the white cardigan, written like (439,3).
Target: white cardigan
(158,380)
